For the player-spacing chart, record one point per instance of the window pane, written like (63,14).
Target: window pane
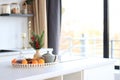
(82,27)
(114,24)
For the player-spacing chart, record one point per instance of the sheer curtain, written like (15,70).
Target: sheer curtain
(40,18)
(53,24)
(47,17)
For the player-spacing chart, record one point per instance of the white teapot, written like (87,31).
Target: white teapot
(49,57)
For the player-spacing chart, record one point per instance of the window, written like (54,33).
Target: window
(114,24)
(82,28)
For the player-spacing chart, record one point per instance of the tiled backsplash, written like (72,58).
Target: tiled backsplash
(11,29)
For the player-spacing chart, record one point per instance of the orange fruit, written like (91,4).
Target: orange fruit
(34,61)
(41,61)
(13,61)
(24,61)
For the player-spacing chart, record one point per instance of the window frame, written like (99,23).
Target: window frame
(106,33)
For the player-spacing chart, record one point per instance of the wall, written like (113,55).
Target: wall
(11,29)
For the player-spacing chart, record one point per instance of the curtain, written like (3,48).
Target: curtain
(53,24)
(39,21)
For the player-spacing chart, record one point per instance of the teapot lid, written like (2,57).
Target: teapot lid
(49,50)
(48,54)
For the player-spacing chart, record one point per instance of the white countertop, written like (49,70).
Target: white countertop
(8,72)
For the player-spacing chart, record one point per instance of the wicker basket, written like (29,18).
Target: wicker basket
(17,65)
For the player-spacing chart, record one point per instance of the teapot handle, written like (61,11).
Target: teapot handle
(55,58)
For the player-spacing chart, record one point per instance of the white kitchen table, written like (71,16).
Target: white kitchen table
(82,69)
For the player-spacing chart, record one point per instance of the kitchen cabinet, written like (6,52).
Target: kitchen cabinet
(98,73)
(21,23)
(103,72)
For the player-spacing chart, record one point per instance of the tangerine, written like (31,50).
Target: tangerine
(34,61)
(24,61)
(13,61)
(41,61)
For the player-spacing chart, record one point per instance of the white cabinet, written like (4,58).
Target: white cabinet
(105,72)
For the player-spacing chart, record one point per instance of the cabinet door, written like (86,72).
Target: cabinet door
(73,76)
(56,78)
(100,73)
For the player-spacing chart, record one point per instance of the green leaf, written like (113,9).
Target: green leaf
(42,36)
(32,44)
(42,44)
(42,39)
